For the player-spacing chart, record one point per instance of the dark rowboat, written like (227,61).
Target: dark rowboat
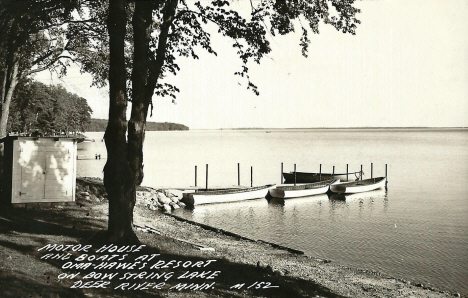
(305,177)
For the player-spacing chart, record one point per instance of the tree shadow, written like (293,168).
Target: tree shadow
(38,225)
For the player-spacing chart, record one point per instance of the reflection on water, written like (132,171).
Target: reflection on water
(299,201)
(285,215)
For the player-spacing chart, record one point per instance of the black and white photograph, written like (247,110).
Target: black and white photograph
(233,148)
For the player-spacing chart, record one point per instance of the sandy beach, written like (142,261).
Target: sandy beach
(245,268)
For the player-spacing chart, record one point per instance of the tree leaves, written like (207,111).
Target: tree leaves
(190,32)
(49,110)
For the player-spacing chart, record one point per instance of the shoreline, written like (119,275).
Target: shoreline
(340,279)
(179,238)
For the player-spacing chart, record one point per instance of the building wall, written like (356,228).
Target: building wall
(44,170)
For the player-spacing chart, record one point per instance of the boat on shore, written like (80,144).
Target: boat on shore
(226,195)
(307,177)
(359,186)
(302,190)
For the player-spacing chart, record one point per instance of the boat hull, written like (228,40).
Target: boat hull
(303,190)
(304,177)
(359,186)
(226,196)
(379,193)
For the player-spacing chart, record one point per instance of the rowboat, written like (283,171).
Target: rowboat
(302,190)
(226,195)
(305,177)
(359,186)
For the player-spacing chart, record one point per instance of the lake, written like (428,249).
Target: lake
(416,230)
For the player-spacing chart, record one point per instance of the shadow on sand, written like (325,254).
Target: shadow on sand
(25,274)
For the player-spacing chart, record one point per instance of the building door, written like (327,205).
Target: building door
(32,165)
(44,171)
(59,172)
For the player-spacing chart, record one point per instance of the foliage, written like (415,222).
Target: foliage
(32,32)
(32,39)
(101,124)
(145,38)
(134,45)
(191,28)
(47,110)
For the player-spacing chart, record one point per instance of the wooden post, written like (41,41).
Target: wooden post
(294,174)
(346,172)
(371,170)
(206,177)
(333,175)
(282,173)
(195,176)
(386,180)
(251,176)
(238,174)
(320,173)
(361,173)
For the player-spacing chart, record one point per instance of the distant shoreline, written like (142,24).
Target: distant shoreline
(100,125)
(344,128)
(317,128)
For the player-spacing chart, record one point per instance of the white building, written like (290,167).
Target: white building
(39,170)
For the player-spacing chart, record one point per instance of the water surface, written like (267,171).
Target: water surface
(417,230)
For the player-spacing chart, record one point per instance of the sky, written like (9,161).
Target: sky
(407,66)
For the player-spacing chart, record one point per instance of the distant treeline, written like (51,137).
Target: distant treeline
(101,124)
(47,110)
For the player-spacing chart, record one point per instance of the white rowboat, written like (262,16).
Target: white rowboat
(359,186)
(302,190)
(226,195)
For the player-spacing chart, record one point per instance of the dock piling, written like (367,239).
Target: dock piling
(238,174)
(206,177)
(320,173)
(251,176)
(294,174)
(195,176)
(281,173)
(371,170)
(386,180)
(361,173)
(333,173)
(346,172)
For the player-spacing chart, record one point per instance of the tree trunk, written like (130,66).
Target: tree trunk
(10,80)
(9,84)
(141,21)
(10,77)
(2,145)
(124,168)
(119,178)
(145,75)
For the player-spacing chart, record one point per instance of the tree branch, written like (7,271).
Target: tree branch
(156,66)
(49,65)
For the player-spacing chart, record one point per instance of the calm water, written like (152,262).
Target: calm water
(417,230)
